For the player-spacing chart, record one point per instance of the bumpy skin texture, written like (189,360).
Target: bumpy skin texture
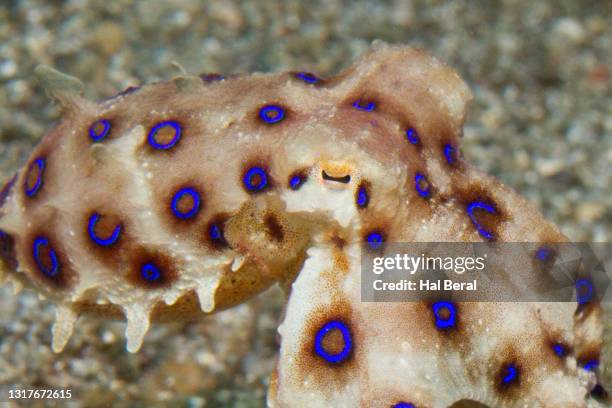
(198,194)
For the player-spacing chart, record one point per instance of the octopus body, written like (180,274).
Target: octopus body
(192,195)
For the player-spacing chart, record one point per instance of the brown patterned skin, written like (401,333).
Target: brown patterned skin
(195,194)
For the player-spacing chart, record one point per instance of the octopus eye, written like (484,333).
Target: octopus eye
(333,342)
(343,179)
(45,257)
(34,177)
(445,314)
(271,114)
(255,179)
(99,130)
(110,239)
(185,203)
(165,135)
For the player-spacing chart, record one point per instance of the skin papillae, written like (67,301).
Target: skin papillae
(189,196)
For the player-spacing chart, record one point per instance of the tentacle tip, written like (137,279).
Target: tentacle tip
(59,86)
(62,329)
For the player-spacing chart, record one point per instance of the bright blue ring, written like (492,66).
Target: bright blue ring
(591,365)
(296,182)
(587,297)
(264,114)
(160,125)
(44,242)
(362,197)
(560,350)
(307,77)
(40,163)
(98,137)
(248,179)
(417,181)
(449,153)
(404,405)
(346,337)
(451,320)
(369,107)
(91,229)
(412,136)
(177,197)
(150,272)
(512,374)
(482,206)
(375,239)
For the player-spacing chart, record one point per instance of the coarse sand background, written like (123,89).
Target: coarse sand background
(541,121)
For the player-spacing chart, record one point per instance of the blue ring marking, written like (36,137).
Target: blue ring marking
(418,180)
(511,374)
(362,197)
(412,136)
(368,107)
(560,350)
(346,337)
(40,164)
(97,137)
(481,206)
(307,77)
(591,365)
(195,196)
(215,233)
(450,153)
(375,239)
(272,114)
(296,181)
(403,404)
(153,132)
(44,242)
(91,229)
(445,322)
(585,297)
(543,253)
(255,172)
(150,272)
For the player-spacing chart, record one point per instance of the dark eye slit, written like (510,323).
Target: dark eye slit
(344,179)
